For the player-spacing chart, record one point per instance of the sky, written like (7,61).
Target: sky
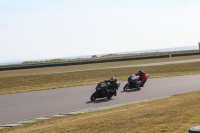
(50,29)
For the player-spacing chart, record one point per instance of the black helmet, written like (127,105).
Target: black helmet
(112,80)
(140,72)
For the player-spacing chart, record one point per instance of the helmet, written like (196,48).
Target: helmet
(112,80)
(140,72)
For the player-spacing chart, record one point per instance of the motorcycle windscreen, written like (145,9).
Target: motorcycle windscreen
(102,86)
(134,77)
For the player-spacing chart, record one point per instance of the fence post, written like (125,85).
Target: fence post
(199,45)
(170,55)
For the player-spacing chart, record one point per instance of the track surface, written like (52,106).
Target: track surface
(30,105)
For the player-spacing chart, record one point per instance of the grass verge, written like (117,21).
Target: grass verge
(61,69)
(175,114)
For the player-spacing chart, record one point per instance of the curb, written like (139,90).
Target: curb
(73,113)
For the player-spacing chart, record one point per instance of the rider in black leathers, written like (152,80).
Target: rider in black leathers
(113,84)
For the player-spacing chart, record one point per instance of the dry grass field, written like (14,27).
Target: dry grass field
(21,81)
(62,69)
(175,114)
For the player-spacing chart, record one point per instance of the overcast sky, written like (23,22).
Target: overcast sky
(39,29)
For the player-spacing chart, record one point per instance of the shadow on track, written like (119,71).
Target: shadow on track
(99,101)
(130,90)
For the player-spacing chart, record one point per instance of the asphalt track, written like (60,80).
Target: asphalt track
(30,105)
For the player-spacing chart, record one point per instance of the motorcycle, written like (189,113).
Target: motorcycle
(134,82)
(103,90)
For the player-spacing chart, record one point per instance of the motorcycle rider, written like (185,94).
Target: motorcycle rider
(143,78)
(113,84)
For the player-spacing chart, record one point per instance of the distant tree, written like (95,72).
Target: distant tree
(94,56)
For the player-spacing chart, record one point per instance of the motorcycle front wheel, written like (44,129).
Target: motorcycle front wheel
(126,87)
(109,97)
(93,96)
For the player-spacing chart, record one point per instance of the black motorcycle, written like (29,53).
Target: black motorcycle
(103,90)
(134,82)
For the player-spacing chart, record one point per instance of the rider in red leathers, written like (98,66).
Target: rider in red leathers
(143,77)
